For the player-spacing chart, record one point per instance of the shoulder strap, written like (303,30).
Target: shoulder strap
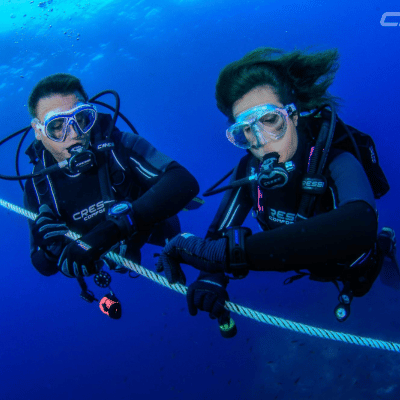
(251,169)
(42,185)
(102,149)
(256,194)
(314,182)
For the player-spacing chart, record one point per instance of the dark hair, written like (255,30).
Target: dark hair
(296,77)
(60,83)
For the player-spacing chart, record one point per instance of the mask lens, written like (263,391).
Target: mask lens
(55,129)
(272,125)
(236,135)
(272,121)
(85,119)
(82,118)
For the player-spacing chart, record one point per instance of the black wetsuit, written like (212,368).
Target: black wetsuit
(342,229)
(157,186)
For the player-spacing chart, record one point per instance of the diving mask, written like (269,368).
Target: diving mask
(266,123)
(56,123)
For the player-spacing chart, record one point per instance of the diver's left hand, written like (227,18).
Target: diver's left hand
(205,255)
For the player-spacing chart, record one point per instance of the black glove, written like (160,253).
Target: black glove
(205,255)
(48,232)
(79,257)
(209,294)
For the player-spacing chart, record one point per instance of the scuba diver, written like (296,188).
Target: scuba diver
(309,179)
(113,188)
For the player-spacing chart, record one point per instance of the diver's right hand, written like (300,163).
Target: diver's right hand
(48,232)
(209,294)
(79,258)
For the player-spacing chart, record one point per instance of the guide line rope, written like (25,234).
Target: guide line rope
(236,308)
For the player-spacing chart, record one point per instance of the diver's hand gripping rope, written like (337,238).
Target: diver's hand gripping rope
(246,312)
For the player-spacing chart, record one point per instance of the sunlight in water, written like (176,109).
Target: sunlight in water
(19,13)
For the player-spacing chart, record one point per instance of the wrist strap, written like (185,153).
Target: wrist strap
(122,215)
(237,264)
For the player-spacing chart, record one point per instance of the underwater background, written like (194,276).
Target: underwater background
(163,58)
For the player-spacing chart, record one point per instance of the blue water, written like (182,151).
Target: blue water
(163,58)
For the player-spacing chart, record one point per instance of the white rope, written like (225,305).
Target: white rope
(246,312)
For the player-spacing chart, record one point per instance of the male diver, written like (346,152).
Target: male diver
(115,189)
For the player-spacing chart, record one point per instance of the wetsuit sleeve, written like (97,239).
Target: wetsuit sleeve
(348,181)
(168,186)
(338,236)
(38,256)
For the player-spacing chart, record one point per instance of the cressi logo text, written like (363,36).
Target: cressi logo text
(90,212)
(281,217)
(390,19)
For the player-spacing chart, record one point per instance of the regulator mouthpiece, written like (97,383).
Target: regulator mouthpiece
(81,159)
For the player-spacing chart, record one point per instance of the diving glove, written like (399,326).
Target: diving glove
(48,232)
(226,255)
(203,254)
(79,257)
(208,293)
